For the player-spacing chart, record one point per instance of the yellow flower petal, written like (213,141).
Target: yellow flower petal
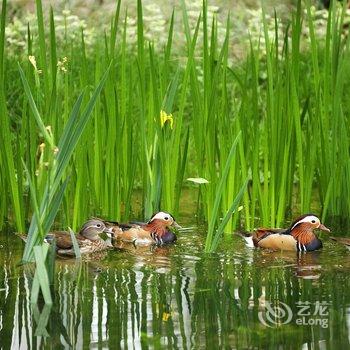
(166,316)
(32,60)
(164,117)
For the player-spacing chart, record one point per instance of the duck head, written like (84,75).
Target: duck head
(163,219)
(93,227)
(308,223)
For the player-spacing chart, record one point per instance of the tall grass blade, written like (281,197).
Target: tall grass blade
(53,193)
(227,217)
(75,244)
(40,253)
(219,192)
(7,153)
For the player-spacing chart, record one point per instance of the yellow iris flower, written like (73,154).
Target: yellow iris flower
(166,316)
(164,117)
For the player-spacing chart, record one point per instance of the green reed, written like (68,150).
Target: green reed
(8,171)
(162,117)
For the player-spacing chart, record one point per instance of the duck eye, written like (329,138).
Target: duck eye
(98,225)
(313,221)
(166,218)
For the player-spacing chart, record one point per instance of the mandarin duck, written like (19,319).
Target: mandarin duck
(88,238)
(155,231)
(299,236)
(342,240)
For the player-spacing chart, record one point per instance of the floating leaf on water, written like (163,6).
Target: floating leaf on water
(201,290)
(198,180)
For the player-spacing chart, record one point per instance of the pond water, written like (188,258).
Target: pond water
(178,297)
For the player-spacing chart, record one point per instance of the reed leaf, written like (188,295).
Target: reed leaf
(219,192)
(75,244)
(54,191)
(40,253)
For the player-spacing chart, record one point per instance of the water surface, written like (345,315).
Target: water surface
(177,297)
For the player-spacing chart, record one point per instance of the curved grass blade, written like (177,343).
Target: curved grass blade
(75,244)
(227,217)
(6,137)
(54,191)
(219,192)
(49,138)
(40,253)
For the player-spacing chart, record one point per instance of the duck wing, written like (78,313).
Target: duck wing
(123,226)
(138,223)
(128,226)
(342,240)
(63,239)
(133,233)
(278,241)
(262,233)
(275,239)
(252,239)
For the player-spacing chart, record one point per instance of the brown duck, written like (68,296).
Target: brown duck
(342,240)
(88,238)
(155,231)
(299,236)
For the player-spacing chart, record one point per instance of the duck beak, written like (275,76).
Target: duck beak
(176,225)
(109,231)
(324,228)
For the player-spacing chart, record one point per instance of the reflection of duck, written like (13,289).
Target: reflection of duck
(155,231)
(137,256)
(305,266)
(342,240)
(298,237)
(141,250)
(309,266)
(88,238)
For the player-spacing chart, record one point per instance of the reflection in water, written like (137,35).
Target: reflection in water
(179,298)
(305,265)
